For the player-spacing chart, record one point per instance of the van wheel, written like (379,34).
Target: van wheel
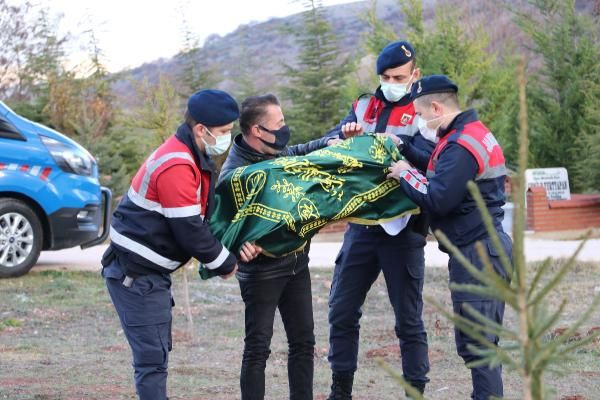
(21,238)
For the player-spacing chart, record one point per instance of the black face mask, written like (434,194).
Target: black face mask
(282,137)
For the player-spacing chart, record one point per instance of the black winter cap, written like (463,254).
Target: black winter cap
(213,107)
(432,84)
(394,55)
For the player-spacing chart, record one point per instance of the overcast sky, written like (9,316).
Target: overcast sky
(131,32)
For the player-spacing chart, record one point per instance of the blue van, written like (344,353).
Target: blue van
(50,196)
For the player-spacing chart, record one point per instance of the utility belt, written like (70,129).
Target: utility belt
(418,223)
(130,269)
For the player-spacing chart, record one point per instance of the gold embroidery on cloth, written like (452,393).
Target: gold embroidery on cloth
(377,151)
(288,189)
(307,171)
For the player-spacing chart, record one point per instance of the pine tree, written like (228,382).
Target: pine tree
(244,85)
(315,87)
(43,57)
(194,74)
(380,34)
(31,53)
(14,35)
(587,164)
(29,49)
(159,114)
(93,101)
(564,94)
(138,132)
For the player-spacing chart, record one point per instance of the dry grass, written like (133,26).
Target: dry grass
(60,339)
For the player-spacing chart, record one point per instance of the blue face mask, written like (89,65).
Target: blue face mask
(395,91)
(282,137)
(221,145)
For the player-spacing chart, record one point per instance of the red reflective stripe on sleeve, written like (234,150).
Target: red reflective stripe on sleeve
(2,165)
(419,176)
(414,181)
(24,168)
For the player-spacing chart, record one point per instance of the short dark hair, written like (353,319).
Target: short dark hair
(448,98)
(254,109)
(414,64)
(191,122)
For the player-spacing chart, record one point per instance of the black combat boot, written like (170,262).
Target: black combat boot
(419,386)
(341,386)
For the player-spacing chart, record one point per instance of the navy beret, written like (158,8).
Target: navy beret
(212,107)
(432,84)
(394,55)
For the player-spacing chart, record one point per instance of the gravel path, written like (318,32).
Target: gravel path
(322,254)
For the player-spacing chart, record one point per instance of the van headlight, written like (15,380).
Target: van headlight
(69,159)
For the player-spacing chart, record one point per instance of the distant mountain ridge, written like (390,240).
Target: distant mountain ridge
(256,51)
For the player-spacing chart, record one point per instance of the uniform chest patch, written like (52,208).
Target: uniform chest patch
(406,118)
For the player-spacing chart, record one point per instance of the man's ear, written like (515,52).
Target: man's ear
(417,75)
(255,131)
(437,108)
(198,130)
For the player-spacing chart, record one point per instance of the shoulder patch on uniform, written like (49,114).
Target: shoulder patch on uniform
(490,141)
(415,180)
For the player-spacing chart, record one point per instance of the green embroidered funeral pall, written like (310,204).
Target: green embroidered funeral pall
(281,203)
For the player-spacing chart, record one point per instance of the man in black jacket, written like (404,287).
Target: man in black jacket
(269,283)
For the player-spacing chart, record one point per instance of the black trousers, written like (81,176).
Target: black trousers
(292,296)
(365,253)
(487,382)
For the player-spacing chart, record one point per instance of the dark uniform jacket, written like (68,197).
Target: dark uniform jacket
(466,151)
(160,222)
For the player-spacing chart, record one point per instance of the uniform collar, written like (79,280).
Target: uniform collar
(242,149)
(460,121)
(185,135)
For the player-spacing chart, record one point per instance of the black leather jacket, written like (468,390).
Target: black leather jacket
(264,267)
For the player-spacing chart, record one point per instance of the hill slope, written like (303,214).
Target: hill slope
(256,51)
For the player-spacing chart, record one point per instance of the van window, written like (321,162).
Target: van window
(9,131)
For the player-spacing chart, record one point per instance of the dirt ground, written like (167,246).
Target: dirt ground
(60,339)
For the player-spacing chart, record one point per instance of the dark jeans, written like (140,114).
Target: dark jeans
(144,310)
(365,253)
(486,381)
(292,295)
